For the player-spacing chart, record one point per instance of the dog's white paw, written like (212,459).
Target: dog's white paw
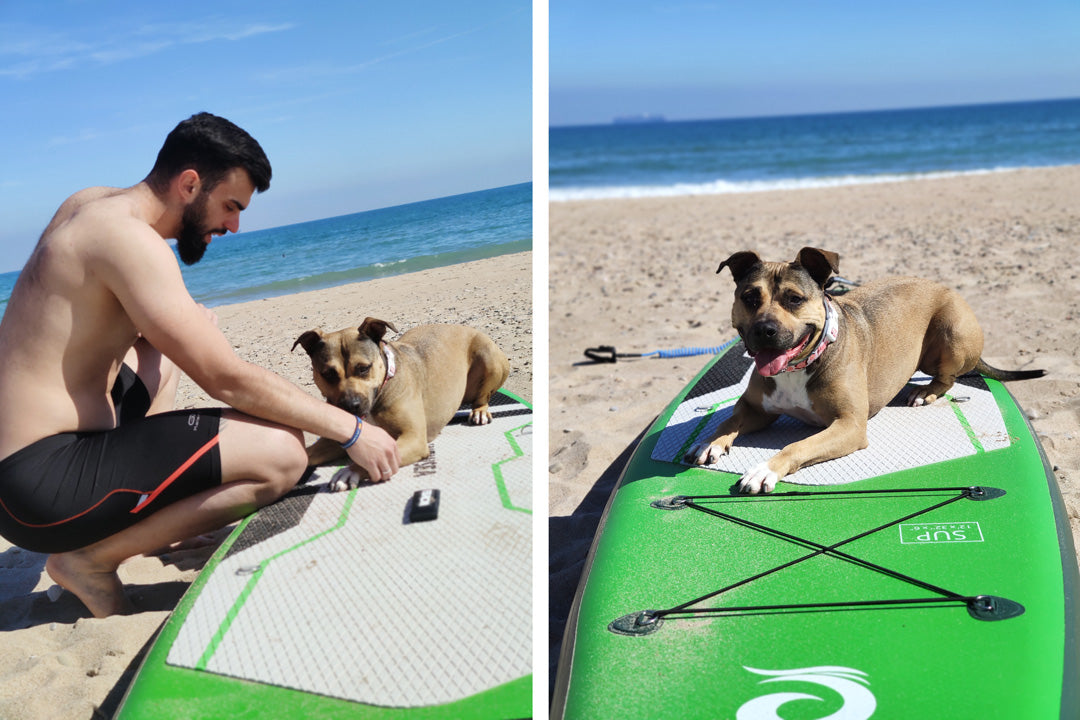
(758,479)
(347,478)
(705,454)
(480,417)
(920,396)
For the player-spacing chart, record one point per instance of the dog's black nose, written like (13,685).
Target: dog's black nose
(355,404)
(765,332)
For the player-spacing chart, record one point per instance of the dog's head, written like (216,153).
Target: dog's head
(348,365)
(779,307)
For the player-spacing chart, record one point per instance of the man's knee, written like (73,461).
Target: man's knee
(291,457)
(284,460)
(270,455)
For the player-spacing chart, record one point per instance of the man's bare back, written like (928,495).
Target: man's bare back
(64,334)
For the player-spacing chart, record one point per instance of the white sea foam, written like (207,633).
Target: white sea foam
(723,187)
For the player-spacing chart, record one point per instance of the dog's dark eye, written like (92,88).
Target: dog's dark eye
(329,375)
(794,301)
(362,371)
(752,298)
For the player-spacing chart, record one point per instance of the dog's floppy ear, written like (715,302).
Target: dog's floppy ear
(821,264)
(375,328)
(311,341)
(740,264)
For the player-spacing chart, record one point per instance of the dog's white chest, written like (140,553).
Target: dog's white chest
(790,398)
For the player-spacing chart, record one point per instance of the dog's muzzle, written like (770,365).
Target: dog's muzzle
(355,404)
(767,333)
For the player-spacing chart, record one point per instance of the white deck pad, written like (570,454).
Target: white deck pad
(965,422)
(339,594)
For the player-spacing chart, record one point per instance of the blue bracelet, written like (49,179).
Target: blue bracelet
(355,435)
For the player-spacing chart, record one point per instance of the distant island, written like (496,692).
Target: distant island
(639,119)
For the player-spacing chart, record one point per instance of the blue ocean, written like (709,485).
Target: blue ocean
(358,247)
(657,158)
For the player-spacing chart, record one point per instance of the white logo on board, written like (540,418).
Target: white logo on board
(850,684)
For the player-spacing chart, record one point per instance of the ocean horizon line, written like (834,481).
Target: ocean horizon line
(736,187)
(669,120)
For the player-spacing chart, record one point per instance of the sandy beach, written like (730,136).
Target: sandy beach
(56,661)
(641,275)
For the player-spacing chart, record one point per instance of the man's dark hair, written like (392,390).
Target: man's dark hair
(212,146)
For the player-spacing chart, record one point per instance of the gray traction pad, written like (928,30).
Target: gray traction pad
(900,437)
(338,594)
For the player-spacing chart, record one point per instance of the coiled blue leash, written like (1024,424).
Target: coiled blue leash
(607,354)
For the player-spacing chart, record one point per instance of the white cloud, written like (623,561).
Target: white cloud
(26,51)
(413,43)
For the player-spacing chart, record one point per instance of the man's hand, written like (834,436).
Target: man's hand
(376,452)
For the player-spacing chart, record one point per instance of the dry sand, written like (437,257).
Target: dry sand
(58,662)
(640,275)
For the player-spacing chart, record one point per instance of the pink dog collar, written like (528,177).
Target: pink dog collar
(828,335)
(391,365)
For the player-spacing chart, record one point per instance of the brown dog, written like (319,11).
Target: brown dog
(836,361)
(411,388)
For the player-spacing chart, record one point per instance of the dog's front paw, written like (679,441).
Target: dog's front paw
(347,478)
(758,479)
(480,416)
(705,454)
(920,395)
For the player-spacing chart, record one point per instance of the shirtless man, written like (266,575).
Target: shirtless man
(95,331)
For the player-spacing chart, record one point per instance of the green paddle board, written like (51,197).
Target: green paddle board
(360,604)
(932,575)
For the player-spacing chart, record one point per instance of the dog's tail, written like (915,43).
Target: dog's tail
(1006,375)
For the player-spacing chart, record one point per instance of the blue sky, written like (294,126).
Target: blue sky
(358,105)
(734,58)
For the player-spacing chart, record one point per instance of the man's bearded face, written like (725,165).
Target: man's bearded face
(190,241)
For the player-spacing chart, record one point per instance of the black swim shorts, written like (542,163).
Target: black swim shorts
(70,490)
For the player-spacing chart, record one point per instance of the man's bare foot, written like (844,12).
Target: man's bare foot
(100,590)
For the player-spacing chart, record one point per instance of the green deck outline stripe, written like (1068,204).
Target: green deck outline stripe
(965,424)
(496,470)
(701,426)
(237,606)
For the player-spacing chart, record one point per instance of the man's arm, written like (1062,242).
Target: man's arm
(141,271)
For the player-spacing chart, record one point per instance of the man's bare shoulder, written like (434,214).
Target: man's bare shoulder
(105,224)
(79,203)
(98,246)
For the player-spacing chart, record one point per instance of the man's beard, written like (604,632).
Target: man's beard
(189,241)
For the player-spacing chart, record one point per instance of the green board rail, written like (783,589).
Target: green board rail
(800,605)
